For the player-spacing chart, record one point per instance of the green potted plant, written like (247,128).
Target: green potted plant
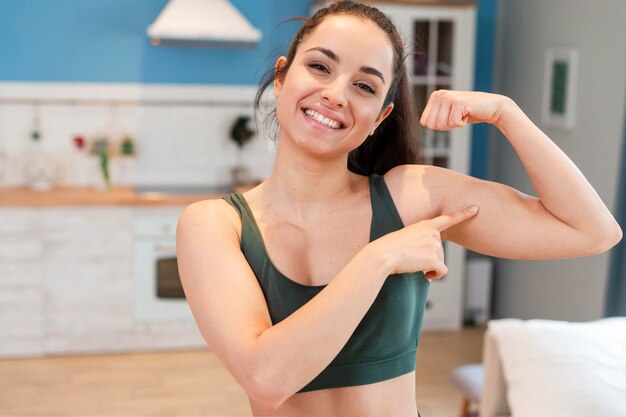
(241,134)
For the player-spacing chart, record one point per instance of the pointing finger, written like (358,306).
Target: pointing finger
(445,221)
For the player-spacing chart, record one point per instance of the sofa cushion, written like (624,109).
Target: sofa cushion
(555,368)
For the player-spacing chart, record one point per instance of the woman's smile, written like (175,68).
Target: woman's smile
(319,118)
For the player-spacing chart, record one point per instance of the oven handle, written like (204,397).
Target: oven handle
(167,250)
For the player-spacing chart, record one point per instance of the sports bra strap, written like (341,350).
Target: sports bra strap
(251,243)
(385,216)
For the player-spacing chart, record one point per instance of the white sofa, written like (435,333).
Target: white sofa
(543,368)
(493,402)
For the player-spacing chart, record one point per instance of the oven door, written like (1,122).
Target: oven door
(158,292)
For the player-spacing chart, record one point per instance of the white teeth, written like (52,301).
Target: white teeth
(321,119)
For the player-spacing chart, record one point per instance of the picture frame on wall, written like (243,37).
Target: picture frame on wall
(560,88)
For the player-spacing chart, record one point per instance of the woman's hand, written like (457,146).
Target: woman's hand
(447,109)
(418,247)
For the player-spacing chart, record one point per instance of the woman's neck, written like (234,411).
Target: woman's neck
(300,178)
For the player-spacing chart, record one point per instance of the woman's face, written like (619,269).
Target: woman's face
(331,98)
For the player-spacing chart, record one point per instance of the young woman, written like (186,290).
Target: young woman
(311,287)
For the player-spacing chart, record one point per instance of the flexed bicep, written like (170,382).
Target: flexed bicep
(511,224)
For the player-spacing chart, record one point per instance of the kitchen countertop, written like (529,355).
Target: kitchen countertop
(86,196)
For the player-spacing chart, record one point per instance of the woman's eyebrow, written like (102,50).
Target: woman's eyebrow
(326,52)
(330,54)
(373,71)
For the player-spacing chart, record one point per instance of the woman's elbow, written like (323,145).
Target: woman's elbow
(610,236)
(266,392)
(616,235)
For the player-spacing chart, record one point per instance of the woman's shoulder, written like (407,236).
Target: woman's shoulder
(211,215)
(418,191)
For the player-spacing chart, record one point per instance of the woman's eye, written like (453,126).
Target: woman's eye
(318,67)
(365,87)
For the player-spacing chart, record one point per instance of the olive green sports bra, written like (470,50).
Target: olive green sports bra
(384,344)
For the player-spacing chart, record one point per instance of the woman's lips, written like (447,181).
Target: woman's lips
(323,120)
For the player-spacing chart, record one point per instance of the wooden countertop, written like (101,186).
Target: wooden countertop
(84,196)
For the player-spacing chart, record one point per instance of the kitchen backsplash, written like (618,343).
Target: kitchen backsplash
(181,133)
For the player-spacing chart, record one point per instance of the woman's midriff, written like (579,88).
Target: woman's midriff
(392,398)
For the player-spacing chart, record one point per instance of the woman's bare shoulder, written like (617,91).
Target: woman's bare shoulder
(215,215)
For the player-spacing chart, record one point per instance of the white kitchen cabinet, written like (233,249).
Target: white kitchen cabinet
(67,283)
(87,278)
(440,46)
(90,280)
(21,278)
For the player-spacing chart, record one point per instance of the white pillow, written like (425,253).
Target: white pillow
(562,369)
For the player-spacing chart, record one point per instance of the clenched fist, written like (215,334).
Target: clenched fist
(447,109)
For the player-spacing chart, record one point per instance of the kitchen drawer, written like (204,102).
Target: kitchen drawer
(19,221)
(20,249)
(156,223)
(84,223)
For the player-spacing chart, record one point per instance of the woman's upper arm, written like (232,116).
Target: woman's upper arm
(223,293)
(509,224)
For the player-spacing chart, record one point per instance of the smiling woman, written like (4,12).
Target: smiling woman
(311,287)
(340,76)
(375,154)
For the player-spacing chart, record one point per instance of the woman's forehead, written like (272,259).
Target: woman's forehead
(351,35)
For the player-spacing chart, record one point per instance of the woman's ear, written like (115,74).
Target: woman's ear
(382,116)
(278,78)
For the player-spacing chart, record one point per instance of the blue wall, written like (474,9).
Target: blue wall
(483,81)
(106,41)
(616,289)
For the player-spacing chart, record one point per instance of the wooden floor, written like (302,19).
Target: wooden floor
(191,383)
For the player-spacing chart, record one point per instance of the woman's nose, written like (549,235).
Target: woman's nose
(335,93)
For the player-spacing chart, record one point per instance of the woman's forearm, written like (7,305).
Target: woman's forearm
(562,188)
(291,353)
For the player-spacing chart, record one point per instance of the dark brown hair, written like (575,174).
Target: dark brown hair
(396,141)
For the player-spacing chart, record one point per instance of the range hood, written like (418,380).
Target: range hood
(208,23)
